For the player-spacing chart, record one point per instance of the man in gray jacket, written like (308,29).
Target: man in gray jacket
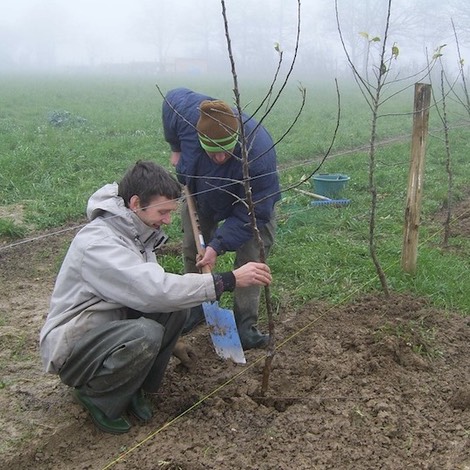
(115,314)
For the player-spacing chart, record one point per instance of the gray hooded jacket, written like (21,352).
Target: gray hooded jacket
(110,266)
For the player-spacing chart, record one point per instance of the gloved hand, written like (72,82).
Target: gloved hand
(185,354)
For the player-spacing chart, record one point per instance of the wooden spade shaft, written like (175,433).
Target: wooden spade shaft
(198,238)
(221,322)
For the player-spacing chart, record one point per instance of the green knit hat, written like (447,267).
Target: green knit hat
(217,126)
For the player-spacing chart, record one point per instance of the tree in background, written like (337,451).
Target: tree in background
(375,85)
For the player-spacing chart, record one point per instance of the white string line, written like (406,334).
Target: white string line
(279,170)
(40,237)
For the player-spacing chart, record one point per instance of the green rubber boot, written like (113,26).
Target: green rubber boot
(114,426)
(252,338)
(140,407)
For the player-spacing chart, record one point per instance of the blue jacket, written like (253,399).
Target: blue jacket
(214,187)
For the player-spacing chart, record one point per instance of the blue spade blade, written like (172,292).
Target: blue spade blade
(223,331)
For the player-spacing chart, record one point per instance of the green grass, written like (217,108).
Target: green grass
(11,230)
(321,252)
(413,334)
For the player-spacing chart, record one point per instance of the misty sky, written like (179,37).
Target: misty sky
(54,33)
(82,31)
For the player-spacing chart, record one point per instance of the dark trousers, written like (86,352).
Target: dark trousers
(112,362)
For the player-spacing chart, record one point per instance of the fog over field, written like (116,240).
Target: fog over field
(188,36)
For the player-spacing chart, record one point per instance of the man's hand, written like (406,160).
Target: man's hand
(209,259)
(253,274)
(175,158)
(185,354)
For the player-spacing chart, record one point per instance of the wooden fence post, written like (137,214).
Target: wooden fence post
(422,101)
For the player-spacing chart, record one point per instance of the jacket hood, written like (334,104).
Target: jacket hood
(106,199)
(107,204)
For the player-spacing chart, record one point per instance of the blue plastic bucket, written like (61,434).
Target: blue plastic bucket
(330,184)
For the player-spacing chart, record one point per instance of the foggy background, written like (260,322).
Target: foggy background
(187,36)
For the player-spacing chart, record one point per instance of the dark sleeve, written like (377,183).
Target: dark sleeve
(179,129)
(224,282)
(169,124)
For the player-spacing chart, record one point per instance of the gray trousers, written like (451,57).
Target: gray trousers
(113,361)
(246,299)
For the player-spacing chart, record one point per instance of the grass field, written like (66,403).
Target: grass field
(47,173)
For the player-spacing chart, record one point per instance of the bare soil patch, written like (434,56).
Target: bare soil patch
(378,383)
